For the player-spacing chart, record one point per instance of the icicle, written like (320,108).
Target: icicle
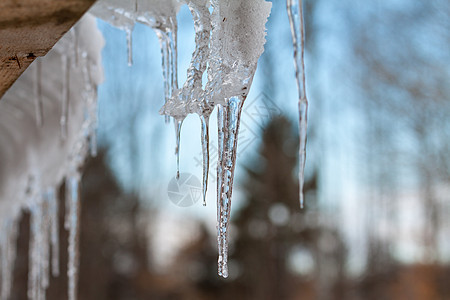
(93,115)
(173,51)
(37,89)
(220,140)
(295,13)
(177,147)
(169,56)
(75,49)
(228,132)
(93,142)
(71,223)
(35,273)
(129,32)
(65,95)
(190,98)
(8,256)
(205,152)
(54,228)
(44,246)
(168,44)
(192,89)
(90,107)
(164,63)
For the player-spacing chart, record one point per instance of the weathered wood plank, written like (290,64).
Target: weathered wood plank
(30,28)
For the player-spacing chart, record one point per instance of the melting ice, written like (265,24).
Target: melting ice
(229,37)
(295,13)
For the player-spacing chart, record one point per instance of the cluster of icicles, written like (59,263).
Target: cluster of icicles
(78,75)
(229,37)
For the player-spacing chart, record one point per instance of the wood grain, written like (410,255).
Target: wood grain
(30,28)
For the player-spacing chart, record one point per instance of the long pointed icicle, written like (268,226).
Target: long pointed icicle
(295,13)
(45,247)
(205,153)
(220,140)
(129,32)
(173,52)
(177,146)
(193,84)
(76,48)
(65,95)
(169,56)
(164,63)
(72,222)
(8,256)
(228,130)
(35,290)
(91,107)
(173,81)
(169,59)
(54,229)
(38,93)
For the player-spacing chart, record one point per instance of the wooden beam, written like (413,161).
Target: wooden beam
(30,28)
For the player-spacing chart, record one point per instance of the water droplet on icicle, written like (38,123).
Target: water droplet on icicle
(295,13)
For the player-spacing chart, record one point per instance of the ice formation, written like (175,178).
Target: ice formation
(229,38)
(295,13)
(47,124)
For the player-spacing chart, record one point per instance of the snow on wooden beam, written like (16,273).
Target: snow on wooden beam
(30,28)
